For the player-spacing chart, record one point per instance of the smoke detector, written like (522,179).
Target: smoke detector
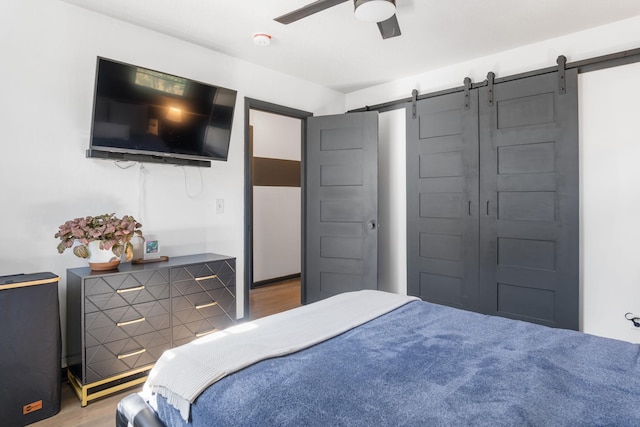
(262,39)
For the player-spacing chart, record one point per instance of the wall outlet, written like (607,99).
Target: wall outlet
(220,207)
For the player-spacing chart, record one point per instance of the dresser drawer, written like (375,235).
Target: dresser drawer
(128,321)
(222,299)
(186,332)
(117,357)
(204,277)
(198,314)
(185,311)
(117,290)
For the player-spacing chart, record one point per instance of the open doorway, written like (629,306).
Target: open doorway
(275,137)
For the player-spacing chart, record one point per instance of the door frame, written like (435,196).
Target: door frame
(267,107)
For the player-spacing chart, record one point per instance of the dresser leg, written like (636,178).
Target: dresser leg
(80,391)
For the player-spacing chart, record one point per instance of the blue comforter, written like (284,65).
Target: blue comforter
(430,365)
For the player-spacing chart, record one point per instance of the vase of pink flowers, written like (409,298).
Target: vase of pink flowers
(101,239)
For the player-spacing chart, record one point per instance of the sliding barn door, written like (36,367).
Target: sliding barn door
(341,205)
(529,200)
(442,200)
(492,200)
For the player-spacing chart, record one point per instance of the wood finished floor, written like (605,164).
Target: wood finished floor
(263,301)
(270,299)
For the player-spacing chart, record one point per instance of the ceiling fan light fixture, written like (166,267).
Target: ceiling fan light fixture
(374,10)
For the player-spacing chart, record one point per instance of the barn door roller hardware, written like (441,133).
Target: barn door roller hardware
(414,103)
(490,77)
(562,63)
(467,88)
(587,65)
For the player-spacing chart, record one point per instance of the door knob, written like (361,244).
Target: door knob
(371,225)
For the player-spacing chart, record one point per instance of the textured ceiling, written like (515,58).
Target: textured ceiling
(335,50)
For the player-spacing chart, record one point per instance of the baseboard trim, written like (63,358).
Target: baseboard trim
(274,280)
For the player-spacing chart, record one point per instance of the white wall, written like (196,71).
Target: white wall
(609,270)
(276,136)
(610,201)
(392,203)
(276,210)
(49,51)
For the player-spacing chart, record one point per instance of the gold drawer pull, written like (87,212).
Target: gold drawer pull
(142,319)
(201,334)
(124,356)
(122,291)
(211,304)
(213,276)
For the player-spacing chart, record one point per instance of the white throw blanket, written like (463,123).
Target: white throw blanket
(182,373)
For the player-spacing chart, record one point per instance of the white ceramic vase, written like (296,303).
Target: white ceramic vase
(101,259)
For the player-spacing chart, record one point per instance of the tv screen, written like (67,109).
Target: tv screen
(141,111)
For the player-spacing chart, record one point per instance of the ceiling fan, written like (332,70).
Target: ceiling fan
(381,11)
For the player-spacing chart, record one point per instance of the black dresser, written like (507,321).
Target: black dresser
(119,322)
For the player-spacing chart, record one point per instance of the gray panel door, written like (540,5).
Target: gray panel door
(442,200)
(529,200)
(341,205)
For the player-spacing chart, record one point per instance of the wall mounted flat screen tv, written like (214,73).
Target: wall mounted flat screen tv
(147,115)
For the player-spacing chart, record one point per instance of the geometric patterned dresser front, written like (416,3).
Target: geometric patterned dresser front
(203,299)
(120,322)
(127,322)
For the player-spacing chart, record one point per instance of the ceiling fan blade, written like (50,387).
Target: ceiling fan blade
(310,9)
(389,28)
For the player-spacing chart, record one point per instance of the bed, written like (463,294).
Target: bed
(371,358)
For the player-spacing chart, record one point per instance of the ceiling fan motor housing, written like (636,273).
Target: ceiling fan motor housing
(374,10)
(381,11)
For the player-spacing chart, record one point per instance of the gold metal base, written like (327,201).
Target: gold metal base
(85,394)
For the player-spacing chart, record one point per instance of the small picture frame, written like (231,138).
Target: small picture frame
(151,249)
